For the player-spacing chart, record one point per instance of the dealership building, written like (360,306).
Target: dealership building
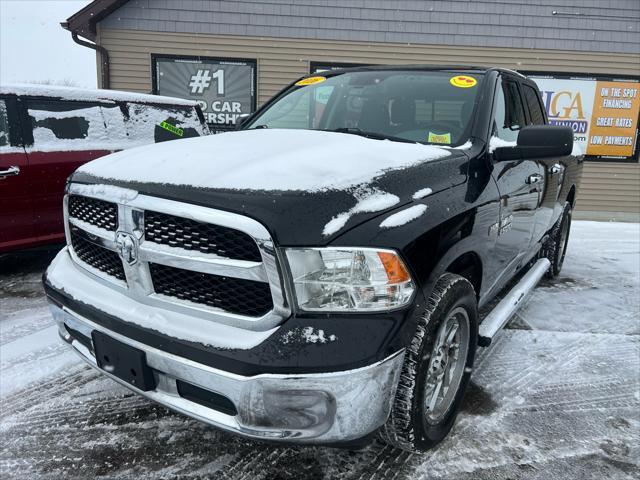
(233,55)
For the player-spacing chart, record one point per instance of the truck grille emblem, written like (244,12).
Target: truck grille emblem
(127,247)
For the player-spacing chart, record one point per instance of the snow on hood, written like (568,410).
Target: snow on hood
(264,159)
(404,216)
(369,201)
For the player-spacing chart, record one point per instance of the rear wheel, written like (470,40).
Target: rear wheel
(437,368)
(555,248)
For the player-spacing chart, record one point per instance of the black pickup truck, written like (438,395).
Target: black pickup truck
(316,276)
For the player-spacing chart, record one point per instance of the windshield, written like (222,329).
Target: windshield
(418,106)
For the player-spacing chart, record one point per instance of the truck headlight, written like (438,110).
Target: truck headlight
(349,279)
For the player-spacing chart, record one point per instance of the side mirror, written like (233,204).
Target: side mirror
(538,141)
(242,120)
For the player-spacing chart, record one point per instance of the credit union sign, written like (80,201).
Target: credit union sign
(602,114)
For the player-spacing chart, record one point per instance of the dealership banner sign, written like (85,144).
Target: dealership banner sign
(225,89)
(602,114)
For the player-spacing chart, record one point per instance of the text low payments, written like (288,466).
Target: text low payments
(614,119)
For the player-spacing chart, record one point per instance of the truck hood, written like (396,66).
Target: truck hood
(305,186)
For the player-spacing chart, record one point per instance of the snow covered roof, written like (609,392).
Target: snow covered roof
(86,94)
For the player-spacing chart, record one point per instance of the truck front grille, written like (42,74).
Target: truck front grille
(100,258)
(199,236)
(96,212)
(234,295)
(214,264)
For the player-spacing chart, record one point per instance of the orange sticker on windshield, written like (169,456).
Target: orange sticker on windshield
(462,81)
(310,81)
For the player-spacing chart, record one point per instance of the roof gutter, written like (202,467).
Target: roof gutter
(104,56)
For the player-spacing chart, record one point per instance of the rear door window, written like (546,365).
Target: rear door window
(67,125)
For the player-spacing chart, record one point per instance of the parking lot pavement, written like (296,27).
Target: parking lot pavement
(556,398)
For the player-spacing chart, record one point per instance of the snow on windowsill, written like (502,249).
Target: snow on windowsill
(496,142)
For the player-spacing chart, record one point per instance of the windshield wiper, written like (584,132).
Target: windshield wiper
(373,135)
(257,127)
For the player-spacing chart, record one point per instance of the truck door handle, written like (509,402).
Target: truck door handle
(535,178)
(6,172)
(557,168)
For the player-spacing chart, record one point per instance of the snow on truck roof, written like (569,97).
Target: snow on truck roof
(87,94)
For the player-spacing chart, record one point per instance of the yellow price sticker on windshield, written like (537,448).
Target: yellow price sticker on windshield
(463,81)
(310,81)
(439,138)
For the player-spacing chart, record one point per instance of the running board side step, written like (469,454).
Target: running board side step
(500,315)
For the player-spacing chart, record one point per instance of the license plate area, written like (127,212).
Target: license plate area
(123,361)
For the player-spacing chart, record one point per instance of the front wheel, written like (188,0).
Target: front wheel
(437,368)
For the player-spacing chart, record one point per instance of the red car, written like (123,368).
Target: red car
(47,132)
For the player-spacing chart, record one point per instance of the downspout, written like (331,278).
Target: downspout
(104,57)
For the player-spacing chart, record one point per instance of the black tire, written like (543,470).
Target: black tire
(408,426)
(555,248)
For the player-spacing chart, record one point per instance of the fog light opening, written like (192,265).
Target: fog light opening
(291,409)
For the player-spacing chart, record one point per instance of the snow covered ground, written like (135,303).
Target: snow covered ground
(556,398)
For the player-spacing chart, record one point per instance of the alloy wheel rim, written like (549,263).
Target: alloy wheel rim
(446,365)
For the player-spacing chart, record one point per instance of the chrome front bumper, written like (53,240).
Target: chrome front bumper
(313,408)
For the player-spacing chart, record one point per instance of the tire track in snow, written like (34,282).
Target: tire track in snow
(27,397)
(107,411)
(384,459)
(238,468)
(611,400)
